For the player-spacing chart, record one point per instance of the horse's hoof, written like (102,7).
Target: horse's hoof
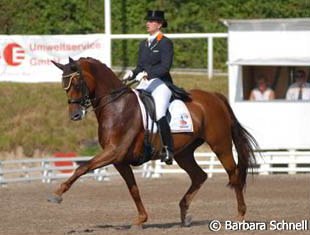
(54,199)
(239,218)
(187,221)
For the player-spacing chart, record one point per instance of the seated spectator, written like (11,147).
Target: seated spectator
(262,91)
(300,89)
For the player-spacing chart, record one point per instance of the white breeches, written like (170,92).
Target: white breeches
(160,93)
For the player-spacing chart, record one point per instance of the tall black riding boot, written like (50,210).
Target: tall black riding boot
(166,137)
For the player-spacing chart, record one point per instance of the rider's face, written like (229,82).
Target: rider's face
(153,26)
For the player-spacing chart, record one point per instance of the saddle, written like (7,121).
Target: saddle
(178,93)
(149,105)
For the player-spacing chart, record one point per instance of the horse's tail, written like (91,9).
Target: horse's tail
(244,142)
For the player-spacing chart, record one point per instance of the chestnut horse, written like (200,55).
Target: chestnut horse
(88,82)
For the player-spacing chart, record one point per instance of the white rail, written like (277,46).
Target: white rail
(110,37)
(208,36)
(47,169)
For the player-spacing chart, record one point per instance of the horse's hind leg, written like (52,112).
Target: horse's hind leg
(187,162)
(228,162)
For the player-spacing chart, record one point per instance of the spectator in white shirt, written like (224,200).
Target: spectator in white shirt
(262,92)
(300,89)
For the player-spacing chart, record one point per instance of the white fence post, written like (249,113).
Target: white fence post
(292,164)
(46,172)
(101,174)
(107,26)
(265,166)
(157,170)
(26,172)
(211,166)
(1,175)
(210,57)
(147,170)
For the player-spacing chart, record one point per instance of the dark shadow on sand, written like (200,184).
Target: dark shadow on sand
(147,226)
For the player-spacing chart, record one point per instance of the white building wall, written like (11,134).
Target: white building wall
(269,45)
(277,124)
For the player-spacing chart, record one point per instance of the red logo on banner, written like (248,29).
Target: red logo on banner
(13,54)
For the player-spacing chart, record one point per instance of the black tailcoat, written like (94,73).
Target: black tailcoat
(156,59)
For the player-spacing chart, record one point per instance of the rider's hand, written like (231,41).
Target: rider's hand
(140,76)
(128,75)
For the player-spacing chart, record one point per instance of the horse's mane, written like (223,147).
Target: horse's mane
(92,60)
(95,63)
(101,71)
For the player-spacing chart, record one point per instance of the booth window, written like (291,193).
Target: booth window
(279,78)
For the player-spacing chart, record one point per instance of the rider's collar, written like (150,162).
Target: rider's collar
(158,35)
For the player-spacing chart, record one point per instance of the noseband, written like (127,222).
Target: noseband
(84,100)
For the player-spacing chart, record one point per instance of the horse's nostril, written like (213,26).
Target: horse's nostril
(77,115)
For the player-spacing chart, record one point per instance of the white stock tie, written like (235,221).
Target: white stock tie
(149,41)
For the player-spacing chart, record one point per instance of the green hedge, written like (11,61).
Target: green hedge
(184,16)
(35,117)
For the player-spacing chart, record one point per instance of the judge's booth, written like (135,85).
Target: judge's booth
(275,49)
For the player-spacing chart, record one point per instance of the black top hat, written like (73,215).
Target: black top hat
(157,16)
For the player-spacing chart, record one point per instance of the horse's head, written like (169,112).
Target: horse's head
(86,81)
(73,82)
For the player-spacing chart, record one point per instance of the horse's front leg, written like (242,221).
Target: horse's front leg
(127,174)
(100,160)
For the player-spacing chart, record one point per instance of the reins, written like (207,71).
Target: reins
(85,101)
(111,97)
(118,93)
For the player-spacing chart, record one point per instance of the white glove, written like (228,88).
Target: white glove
(128,75)
(140,76)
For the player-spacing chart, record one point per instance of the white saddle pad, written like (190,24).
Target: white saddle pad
(181,120)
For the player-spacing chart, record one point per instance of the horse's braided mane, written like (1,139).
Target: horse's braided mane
(92,60)
(115,94)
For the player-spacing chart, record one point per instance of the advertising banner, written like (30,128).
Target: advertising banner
(28,58)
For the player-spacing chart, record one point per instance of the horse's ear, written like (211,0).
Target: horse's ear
(58,65)
(72,63)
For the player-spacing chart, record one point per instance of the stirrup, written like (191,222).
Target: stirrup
(166,156)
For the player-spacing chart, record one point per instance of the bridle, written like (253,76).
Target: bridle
(84,100)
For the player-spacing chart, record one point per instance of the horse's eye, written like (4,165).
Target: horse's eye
(65,82)
(77,86)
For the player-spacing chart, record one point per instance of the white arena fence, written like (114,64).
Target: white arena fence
(47,170)
(209,37)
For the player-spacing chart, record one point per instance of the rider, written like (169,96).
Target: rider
(154,62)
